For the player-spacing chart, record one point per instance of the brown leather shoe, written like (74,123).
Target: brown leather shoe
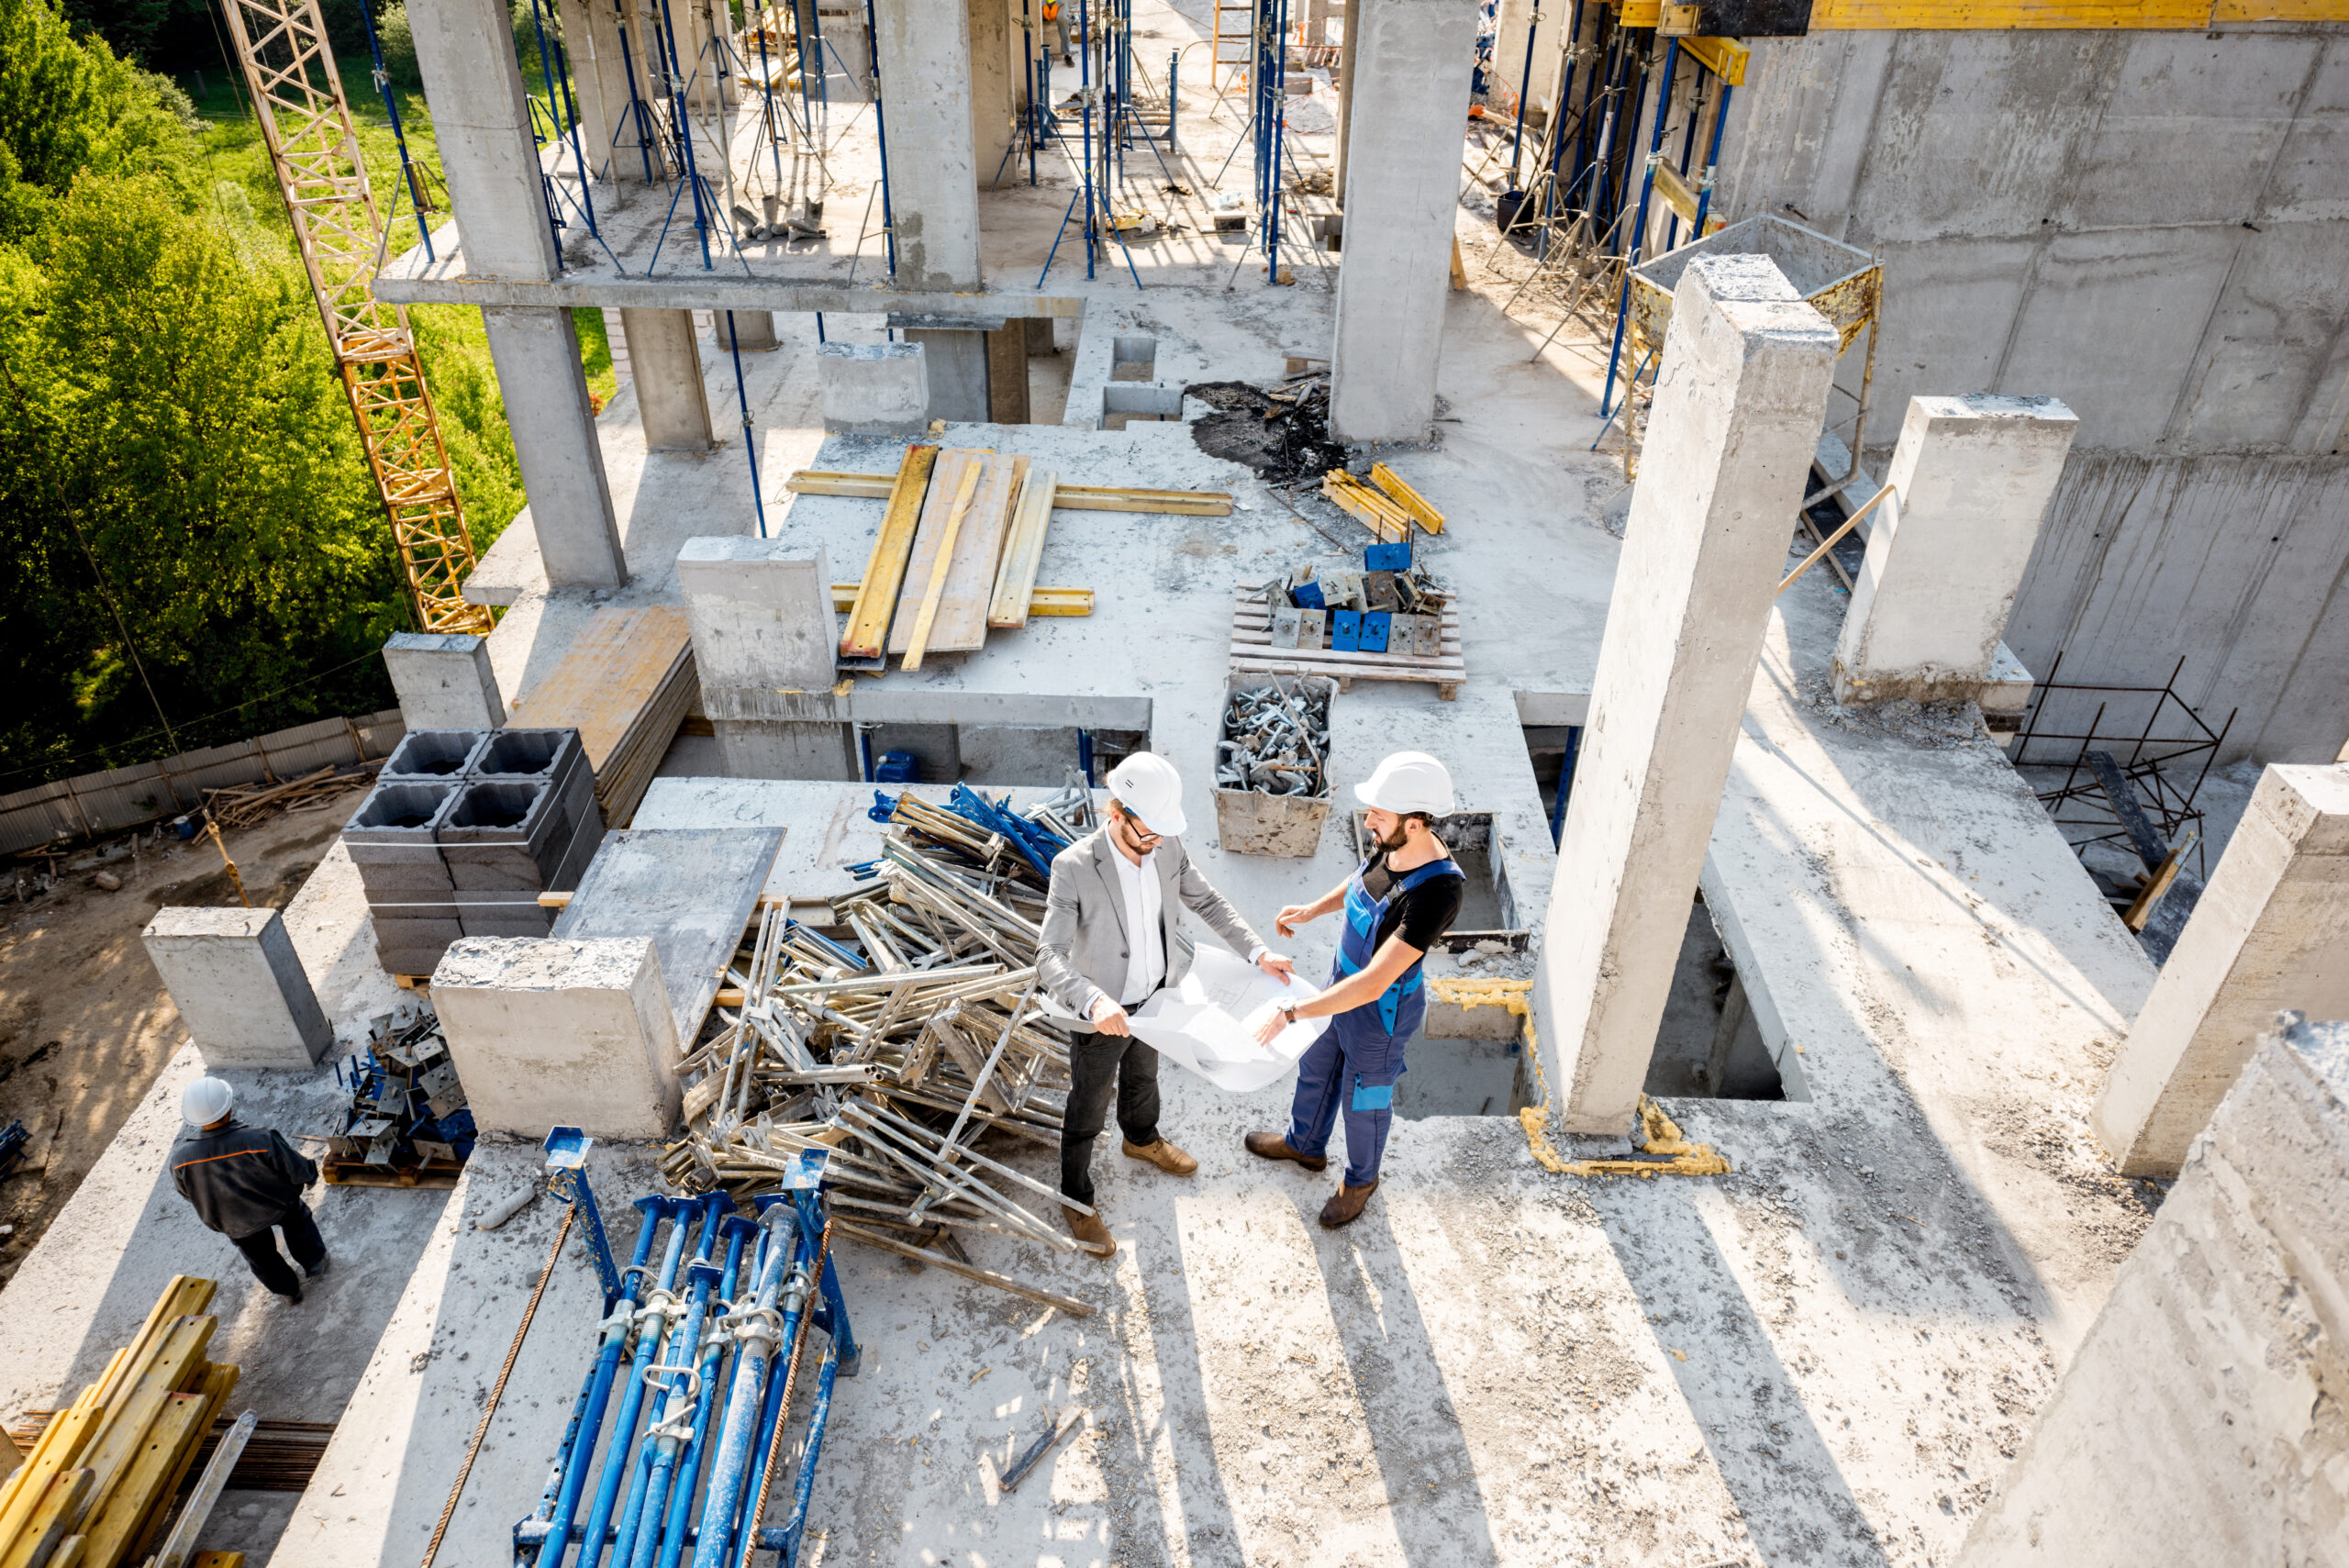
(1088,1228)
(1275,1146)
(1164,1155)
(1345,1205)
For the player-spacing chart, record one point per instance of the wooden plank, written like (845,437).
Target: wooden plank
(1041,600)
(61,1444)
(36,1540)
(1459,273)
(219,1382)
(1023,553)
(72,1553)
(125,1433)
(1072,498)
(945,484)
(1868,16)
(1413,504)
(943,549)
(152,1473)
(184,1296)
(884,569)
(612,671)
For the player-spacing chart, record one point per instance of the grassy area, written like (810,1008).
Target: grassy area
(450,338)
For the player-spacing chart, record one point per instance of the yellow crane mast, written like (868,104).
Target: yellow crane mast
(282,50)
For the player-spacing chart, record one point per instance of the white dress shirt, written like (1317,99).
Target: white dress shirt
(1145,937)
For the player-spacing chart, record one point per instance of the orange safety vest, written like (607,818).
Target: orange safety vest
(1051,10)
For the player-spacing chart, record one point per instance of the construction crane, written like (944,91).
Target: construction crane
(282,50)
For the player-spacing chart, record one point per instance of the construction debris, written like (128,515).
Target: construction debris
(899,1054)
(242,806)
(99,1484)
(407,1125)
(1283,436)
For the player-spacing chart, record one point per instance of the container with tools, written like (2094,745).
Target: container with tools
(1272,763)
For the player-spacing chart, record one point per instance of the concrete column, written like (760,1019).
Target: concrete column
(2271,931)
(1971,480)
(239,986)
(599,80)
(551,1031)
(1317,21)
(1007,374)
(992,99)
(765,638)
(443,682)
(874,389)
(464,49)
(2200,1419)
(1739,402)
(924,59)
(537,355)
(755,328)
(666,364)
(1346,53)
(955,359)
(1402,192)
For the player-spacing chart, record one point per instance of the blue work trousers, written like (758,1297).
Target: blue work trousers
(1328,1083)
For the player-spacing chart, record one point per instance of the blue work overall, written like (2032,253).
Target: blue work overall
(1357,1059)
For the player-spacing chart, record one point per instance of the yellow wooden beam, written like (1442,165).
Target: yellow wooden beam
(2280,11)
(1991,15)
(1725,58)
(885,570)
(153,1467)
(36,1540)
(1386,520)
(1041,600)
(1066,498)
(1023,550)
(927,617)
(1414,505)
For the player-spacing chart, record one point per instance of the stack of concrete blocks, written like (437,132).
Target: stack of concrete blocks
(766,642)
(559,1032)
(463,831)
(874,389)
(2202,1420)
(239,988)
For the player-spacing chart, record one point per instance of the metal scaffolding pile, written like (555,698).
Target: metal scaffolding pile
(897,1055)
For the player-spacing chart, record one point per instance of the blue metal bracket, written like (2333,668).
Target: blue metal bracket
(567,1152)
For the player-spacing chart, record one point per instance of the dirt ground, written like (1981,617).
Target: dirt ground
(85,1023)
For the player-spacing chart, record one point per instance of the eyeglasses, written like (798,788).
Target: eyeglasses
(1134,825)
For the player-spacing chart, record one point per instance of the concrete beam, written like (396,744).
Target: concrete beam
(547,1031)
(443,681)
(664,366)
(1738,406)
(874,389)
(464,49)
(2271,931)
(924,62)
(1402,193)
(2199,1422)
(537,355)
(755,329)
(239,988)
(1971,480)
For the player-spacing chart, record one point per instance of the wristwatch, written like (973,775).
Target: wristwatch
(1288,1011)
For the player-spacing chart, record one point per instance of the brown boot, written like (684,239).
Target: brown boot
(1275,1146)
(1088,1228)
(1346,1205)
(1164,1155)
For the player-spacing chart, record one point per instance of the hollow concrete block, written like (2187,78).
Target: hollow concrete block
(874,389)
(239,986)
(552,1030)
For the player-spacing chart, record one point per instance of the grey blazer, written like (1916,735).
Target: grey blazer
(1085,949)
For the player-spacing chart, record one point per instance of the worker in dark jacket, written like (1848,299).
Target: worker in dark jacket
(243,1182)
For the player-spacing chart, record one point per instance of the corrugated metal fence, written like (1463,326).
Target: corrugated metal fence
(109,802)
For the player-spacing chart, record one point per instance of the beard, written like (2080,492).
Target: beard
(1394,840)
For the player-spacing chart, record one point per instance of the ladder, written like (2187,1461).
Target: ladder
(282,50)
(1234,46)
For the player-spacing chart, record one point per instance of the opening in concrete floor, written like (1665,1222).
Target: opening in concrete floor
(1548,745)
(997,754)
(1710,1046)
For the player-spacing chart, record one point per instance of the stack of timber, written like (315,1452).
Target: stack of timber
(901,1043)
(959,548)
(242,806)
(101,1483)
(1391,507)
(625,684)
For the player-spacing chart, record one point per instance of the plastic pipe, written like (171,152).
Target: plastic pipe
(572,1472)
(652,1319)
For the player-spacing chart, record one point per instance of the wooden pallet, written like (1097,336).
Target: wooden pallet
(432,1176)
(1252,654)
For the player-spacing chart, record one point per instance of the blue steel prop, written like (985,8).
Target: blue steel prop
(881,139)
(399,137)
(566,1165)
(1640,223)
(742,396)
(1565,786)
(1524,86)
(710,1381)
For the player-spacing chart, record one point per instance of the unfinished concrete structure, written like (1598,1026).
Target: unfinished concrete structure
(1784,791)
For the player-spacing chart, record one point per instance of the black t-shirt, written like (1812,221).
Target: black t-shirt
(1423,914)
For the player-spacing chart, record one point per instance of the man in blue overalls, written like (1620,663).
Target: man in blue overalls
(1397,907)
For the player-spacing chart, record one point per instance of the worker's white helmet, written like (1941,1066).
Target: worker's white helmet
(1406,782)
(206,1101)
(1147,785)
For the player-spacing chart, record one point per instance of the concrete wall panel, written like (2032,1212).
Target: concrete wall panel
(2277,346)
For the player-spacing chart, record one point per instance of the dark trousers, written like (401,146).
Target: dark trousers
(1098,1063)
(302,1239)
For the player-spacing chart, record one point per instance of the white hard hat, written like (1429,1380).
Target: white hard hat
(1408,781)
(1147,785)
(206,1101)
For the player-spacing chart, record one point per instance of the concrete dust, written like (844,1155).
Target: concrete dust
(85,1023)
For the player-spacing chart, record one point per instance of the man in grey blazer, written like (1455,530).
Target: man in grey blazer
(1110,940)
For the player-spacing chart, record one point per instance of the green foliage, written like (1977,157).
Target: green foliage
(181,489)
